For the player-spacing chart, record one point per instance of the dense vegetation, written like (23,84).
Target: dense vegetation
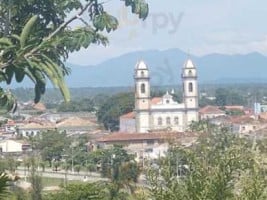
(220,165)
(110,111)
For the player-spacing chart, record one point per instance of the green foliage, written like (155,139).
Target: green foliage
(203,101)
(36,181)
(3,165)
(89,191)
(36,38)
(83,105)
(3,185)
(228,97)
(51,145)
(219,166)
(7,101)
(121,168)
(221,97)
(113,108)
(234,112)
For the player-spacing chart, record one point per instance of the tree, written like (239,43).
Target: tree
(36,181)
(229,97)
(113,108)
(123,171)
(221,97)
(77,168)
(83,105)
(3,185)
(36,37)
(52,144)
(219,166)
(90,191)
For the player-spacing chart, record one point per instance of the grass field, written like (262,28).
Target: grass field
(47,182)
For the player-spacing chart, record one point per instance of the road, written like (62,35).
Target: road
(82,176)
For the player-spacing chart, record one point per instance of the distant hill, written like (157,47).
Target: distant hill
(165,68)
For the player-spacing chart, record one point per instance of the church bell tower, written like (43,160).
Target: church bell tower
(190,92)
(142,97)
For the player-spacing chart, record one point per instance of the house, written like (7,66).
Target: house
(34,128)
(209,112)
(14,146)
(127,123)
(246,124)
(147,145)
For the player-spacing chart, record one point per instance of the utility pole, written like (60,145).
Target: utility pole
(72,168)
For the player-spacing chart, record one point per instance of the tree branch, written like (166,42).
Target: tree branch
(61,27)
(53,34)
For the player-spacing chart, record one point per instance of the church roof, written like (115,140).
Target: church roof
(167,95)
(156,100)
(189,64)
(141,65)
(129,115)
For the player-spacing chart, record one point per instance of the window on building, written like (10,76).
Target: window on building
(142,74)
(150,142)
(143,88)
(167,101)
(176,120)
(190,73)
(149,150)
(168,120)
(159,121)
(190,87)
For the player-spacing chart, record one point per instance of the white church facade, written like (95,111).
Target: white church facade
(162,113)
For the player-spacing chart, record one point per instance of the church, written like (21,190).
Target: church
(162,113)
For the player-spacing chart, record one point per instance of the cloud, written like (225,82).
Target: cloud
(206,26)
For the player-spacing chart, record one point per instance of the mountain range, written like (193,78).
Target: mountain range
(165,69)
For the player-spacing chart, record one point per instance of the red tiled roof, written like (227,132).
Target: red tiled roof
(39,106)
(130,115)
(234,107)
(263,116)
(211,110)
(242,119)
(156,100)
(120,137)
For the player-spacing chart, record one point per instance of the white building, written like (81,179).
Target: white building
(164,113)
(13,146)
(147,146)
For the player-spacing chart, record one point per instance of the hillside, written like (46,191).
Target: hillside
(165,67)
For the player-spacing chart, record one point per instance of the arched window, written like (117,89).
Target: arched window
(168,120)
(159,121)
(143,88)
(176,120)
(142,74)
(190,73)
(190,87)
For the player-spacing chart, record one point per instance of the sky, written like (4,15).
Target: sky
(198,27)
